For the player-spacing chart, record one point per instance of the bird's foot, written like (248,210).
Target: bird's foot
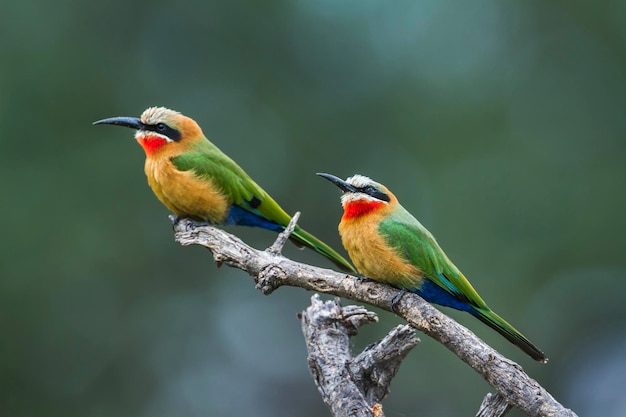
(193,222)
(396,299)
(360,278)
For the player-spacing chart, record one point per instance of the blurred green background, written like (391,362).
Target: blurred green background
(500,126)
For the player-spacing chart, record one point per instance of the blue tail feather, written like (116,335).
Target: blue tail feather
(238,216)
(434,294)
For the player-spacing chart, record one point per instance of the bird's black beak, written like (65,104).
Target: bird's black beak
(345,187)
(132,122)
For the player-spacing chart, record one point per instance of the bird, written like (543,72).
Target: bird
(387,244)
(194,179)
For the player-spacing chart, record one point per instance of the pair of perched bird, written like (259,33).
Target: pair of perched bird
(193,178)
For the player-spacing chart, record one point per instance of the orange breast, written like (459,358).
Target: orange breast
(372,255)
(185,194)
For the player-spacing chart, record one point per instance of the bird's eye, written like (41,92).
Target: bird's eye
(161,127)
(375,192)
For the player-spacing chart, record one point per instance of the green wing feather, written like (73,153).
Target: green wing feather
(209,163)
(413,241)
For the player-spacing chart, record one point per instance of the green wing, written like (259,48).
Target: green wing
(210,164)
(417,245)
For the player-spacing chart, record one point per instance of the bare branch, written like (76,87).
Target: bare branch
(351,386)
(271,271)
(327,331)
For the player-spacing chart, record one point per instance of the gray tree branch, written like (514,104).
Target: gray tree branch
(351,386)
(271,270)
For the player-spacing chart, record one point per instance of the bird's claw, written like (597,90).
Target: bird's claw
(396,299)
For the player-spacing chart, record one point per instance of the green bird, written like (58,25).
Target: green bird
(389,245)
(194,179)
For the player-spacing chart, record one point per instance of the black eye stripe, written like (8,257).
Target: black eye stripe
(372,191)
(164,129)
(381,196)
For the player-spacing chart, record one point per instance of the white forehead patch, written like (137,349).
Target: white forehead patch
(154,115)
(360,181)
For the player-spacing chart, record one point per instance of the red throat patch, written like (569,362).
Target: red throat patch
(151,144)
(360,208)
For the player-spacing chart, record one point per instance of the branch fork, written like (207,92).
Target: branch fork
(351,386)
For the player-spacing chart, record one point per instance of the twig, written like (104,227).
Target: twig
(271,271)
(283,237)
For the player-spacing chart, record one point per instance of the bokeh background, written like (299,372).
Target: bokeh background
(499,125)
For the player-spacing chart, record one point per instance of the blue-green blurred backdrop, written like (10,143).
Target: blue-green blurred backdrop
(499,125)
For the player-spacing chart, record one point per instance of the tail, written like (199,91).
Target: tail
(303,237)
(500,325)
